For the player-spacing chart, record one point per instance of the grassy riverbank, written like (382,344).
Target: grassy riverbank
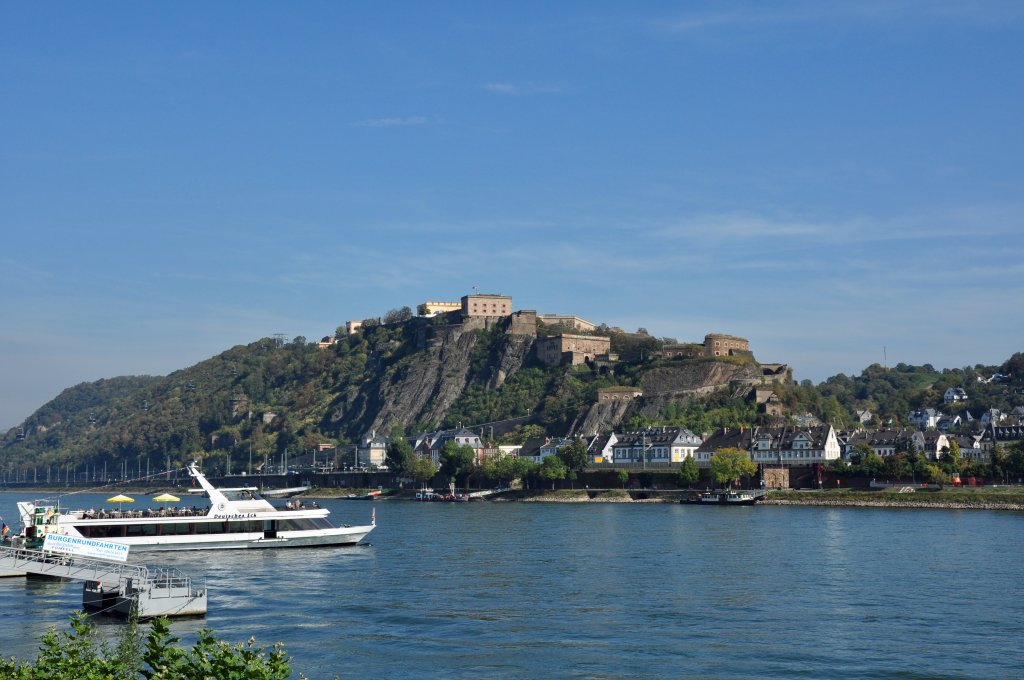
(986,498)
(990,498)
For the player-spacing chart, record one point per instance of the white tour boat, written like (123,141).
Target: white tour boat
(728,497)
(235,518)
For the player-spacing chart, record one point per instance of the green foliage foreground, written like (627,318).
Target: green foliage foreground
(78,654)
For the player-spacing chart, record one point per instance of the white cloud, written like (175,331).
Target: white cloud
(869,11)
(502,88)
(528,88)
(392,122)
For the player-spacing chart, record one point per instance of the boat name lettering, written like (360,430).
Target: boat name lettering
(237,515)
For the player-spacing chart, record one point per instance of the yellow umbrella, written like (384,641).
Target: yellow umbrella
(120,498)
(166,498)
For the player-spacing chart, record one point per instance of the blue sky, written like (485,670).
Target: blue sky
(826,179)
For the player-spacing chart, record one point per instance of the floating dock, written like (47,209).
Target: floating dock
(115,587)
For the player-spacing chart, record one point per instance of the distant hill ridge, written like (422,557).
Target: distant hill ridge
(407,372)
(418,373)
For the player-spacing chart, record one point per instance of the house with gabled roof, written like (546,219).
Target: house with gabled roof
(884,442)
(430,444)
(931,443)
(726,438)
(372,450)
(925,418)
(551,447)
(993,416)
(993,435)
(948,423)
(787,445)
(530,450)
(600,447)
(954,395)
(655,445)
(970,446)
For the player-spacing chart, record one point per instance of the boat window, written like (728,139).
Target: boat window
(245,527)
(141,530)
(177,529)
(298,525)
(103,531)
(240,494)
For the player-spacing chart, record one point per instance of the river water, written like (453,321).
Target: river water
(529,590)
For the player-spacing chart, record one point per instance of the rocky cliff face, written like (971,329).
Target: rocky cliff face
(695,378)
(663,385)
(421,388)
(604,417)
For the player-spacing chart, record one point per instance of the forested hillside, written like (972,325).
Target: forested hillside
(271,396)
(420,374)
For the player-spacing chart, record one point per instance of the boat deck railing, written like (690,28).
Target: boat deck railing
(92,569)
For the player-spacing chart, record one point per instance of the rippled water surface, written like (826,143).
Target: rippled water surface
(497,590)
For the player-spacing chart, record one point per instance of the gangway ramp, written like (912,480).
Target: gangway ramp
(114,586)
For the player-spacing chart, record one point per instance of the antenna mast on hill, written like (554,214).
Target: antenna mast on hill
(885,358)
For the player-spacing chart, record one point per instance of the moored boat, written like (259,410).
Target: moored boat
(727,497)
(235,518)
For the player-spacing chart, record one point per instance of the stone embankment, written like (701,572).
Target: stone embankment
(1015,502)
(884,503)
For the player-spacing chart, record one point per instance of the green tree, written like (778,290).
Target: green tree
(1015,461)
(872,465)
(897,467)
(552,469)
(916,461)
(399,456)
(506,469)
(934,474)
(397,315)
(158,657)
(838,467)
(457,461)
(527,431)
(954,461)
(575,456)
(997,464)
(860,451)
(689,473)
(623,478)
(422,469)
(729,464)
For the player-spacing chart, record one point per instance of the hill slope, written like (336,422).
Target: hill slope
(268,396)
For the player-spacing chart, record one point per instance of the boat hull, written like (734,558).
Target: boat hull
(252,541)
(236,519)
(726,498)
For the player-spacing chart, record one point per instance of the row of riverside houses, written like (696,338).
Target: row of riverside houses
(372,449)
(776,445)
(930,418)
(655,445)
(652,445)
